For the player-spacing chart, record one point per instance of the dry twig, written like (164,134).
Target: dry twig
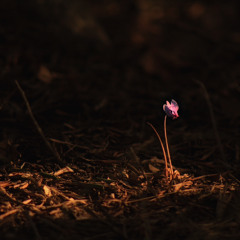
(39,129)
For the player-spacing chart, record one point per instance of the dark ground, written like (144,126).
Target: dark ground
(94,75)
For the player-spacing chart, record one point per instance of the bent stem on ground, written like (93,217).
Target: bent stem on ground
(163,149)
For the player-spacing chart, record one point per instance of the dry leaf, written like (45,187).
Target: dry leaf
(27,201)
(47,191)
(152,168)
(44,74)
(24,185)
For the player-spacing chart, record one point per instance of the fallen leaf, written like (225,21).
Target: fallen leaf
(44,74)
(153,169)
(27,201)
(47,191)
(24,185)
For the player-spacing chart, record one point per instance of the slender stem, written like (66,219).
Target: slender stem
(166,140)
(163,149)
(39,129)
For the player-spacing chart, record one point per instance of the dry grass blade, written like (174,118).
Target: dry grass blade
(39,129)
(214,122)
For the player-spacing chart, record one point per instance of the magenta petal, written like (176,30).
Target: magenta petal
(171,109)
(174,104)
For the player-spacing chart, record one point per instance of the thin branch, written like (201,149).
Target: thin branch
(2,216)
(39,129)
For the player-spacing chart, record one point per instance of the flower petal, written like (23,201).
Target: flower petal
(167,110)
(171,109)
(164,107)
(174,104)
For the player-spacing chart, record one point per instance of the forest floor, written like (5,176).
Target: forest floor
(78,159)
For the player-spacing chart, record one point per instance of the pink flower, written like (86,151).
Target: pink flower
(171,109)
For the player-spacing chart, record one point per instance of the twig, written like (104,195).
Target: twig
(9,197)
(39,129)
(214,123)
(166,141)
(8,213)
(163,149)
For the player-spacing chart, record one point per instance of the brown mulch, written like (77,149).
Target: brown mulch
(81,162)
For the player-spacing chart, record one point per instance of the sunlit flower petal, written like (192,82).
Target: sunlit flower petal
(171,109)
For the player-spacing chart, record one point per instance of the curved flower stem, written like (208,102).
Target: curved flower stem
(163,149)
(166,140)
